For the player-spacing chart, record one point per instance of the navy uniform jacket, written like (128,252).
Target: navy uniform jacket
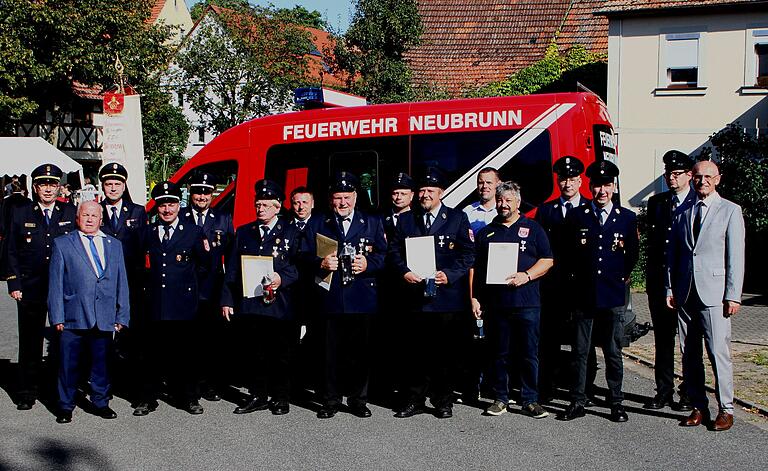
(533,245)
(282,244)
(454,255)
(550,217)
(218,230)
(171,284)
(130,222)
(366,235)
(29,248)
(599,260)
(660,217)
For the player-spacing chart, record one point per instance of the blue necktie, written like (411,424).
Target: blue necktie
(114,220)
(47,217)
(95,253)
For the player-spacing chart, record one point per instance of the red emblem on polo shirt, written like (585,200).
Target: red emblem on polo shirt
(523,232)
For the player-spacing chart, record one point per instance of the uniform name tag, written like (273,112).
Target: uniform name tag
(64,223)
(30,224)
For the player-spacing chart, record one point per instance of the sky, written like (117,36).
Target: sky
(336,12)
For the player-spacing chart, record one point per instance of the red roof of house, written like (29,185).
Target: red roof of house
(623,6)
(469,43)
(156,9)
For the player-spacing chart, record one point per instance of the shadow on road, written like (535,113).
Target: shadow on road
(59,455)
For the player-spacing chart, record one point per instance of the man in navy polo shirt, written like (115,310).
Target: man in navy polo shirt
(513,310)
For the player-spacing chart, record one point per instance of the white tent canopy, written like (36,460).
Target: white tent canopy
(21,155)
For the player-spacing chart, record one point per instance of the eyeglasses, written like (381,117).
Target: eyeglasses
(676,173)
(707,178)
(264,205)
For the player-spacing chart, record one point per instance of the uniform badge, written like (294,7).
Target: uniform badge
(523,232)
(64,223)
(181,228)
(206,245)
(29,238)
(178,257)
(489,235)
(444,216)
(451,245)
(583,241)
(30,224)
(522,245)
(472,235)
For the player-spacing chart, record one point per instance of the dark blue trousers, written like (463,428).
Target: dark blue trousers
(515,330)
(73,342)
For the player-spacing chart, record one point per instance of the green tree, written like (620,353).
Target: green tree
(198,8)
(47,45)
(554,72)
(298,15)
(165,135)
(239,66)
(372,49)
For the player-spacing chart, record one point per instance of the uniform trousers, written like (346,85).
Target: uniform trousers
(32,316)
(346,356)
(212,372)
(664,332)
(266,345)
(606,326)
(515,329)
(172,353)
(72,362)
(696,322)
(431,370)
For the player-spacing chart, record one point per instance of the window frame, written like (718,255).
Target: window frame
(664,85)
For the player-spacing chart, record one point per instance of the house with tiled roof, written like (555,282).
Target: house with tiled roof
(679,71)
(469,43)
(172,13)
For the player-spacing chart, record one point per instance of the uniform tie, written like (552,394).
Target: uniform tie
(601,216)
(301,225)
(697,222)
(166,233)
(95,253)
(47,213)
(199,218)
(344,227)
(395,218)
(113,219)
(428,222)
(675,203)
(568,206)
(264,231)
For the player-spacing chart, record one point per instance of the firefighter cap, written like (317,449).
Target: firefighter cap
(602,172)
(344,182)
(202,182)
(403,181)
(432,177)
(46,172)
(568,166)
(113,171)
(165,192)
(676,160)
(268,190)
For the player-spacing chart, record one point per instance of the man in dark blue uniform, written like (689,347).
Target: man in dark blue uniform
(555,308)
(349,301)
(177,253)
(436,304)
(512,308)
(30,237)
(125,220)
(600,249)
(661,209)
(402,191)
(265,321)
(217,229)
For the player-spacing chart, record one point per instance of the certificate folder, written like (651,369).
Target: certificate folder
(420,256)
(325,246)
(254,268)
(502,262)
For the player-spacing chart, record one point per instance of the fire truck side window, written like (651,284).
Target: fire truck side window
(457,153)
(312,164)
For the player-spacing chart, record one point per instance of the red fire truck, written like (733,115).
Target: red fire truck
(520,136)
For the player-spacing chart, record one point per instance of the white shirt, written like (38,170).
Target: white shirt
(195,212)
(98,240)
(435,212)
(606,211)
(161,229)
(704,204)
(270,225)
(479,216)
(575,202)
(118,206)
(682,196)
(345,224)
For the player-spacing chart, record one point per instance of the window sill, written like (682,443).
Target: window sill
(753,90)
(696,91)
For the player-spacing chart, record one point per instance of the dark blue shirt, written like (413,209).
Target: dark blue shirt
(533,246)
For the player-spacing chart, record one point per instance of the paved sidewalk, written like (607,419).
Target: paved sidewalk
(749,347)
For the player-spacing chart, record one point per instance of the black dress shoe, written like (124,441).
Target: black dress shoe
(410,410)
(574,411)
(254,403)
(589,402)
(211,396)
(25,404)
(279,407)
(64,417)
(445,412)
(144,408)
(658,402)
(684,405)
(326,412)
(360,410)
(105,412)
(618,414)
(194,407)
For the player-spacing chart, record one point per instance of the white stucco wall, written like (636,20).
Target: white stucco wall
(650,120)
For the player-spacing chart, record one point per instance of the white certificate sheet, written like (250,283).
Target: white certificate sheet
(502,262)
(420,256)
(254,269)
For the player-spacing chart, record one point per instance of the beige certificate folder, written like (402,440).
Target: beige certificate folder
(502,262)
(325,246)
(254,268)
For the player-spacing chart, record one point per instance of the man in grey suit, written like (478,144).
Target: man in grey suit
(705,277)
(87,303)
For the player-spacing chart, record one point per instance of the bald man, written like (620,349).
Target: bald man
(705,275)
(87,303)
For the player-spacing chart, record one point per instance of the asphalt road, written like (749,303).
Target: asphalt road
(218,439)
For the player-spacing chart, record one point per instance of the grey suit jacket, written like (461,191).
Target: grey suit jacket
(715,264)
(80,299)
